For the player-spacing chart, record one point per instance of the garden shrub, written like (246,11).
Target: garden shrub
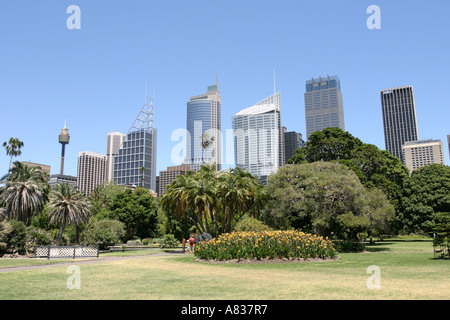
(250,224)
(265,245)
(169,241)
(16,239)
(37,237)
(349,246)
(104,233)
(147,241)
(5,230)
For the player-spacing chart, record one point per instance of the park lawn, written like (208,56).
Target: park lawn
(407,271)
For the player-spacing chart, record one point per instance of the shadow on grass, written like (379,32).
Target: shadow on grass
(378,247)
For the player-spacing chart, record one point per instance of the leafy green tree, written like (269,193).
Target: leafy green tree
(25,192)
(67,205)
(374,167)
(425,194)
(13,148)
(104,233)
(326,198)
(327,145)
(138,211)
(102,197)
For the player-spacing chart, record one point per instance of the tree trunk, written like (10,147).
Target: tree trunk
(61,230)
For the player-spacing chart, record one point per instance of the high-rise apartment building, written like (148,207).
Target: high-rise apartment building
(166,177)
(422,152)
(399,119)
(204,119)
(324,106)
(91,171)
(259,138)
(114,141)
(135,162)
(292,141)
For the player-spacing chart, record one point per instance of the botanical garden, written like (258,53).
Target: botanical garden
(338,207)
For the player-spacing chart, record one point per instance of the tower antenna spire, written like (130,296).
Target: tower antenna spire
(274,88)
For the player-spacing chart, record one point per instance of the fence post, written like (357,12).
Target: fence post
(48,252)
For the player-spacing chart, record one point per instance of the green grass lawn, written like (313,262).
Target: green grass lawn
(407,271)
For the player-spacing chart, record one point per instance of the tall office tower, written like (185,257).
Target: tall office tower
(399,119)
(324,106)
(422,152)
(448,142)
(64,138)
(259,139)
(135,163)
(91,171)
(204,119)
(292,141)
(166,177)
(113,142)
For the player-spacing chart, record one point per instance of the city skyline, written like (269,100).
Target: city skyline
(95,77)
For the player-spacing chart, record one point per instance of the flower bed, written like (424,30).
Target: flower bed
(266,245)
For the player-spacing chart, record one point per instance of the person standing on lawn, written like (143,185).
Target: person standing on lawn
(191,244)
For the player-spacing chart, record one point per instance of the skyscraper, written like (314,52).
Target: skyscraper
(114,141)
(399,119)
(324,106)
(259,139)
(91,171)
(135,162)
(422,152)
(448,143)
(204,119)
(292,141)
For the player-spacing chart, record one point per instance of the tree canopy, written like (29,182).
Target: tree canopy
(326,198)
(138,210)
(425,194)
(212,201)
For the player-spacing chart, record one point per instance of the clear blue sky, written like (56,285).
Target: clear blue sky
(95,77)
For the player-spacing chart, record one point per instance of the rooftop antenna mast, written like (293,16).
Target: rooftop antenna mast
(144,120)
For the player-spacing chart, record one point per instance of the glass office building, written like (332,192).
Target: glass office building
(399,119)
(259,138)
(324,105)
(204,118)
(135,163)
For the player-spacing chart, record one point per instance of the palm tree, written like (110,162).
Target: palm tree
(67,205)
(24,193)
(13,147)
(206,144)
(213,200)
(178,199)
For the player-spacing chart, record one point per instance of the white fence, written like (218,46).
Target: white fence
(66,252)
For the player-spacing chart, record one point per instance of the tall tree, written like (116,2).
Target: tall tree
(324,197)
(425,194)
(138,210)
(67,205)
(13,148)
(25,192)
